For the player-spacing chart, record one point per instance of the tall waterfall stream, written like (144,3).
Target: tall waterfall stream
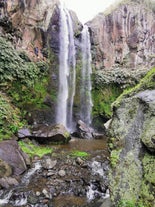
(67,73)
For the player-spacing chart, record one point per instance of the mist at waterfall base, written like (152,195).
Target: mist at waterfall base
(67,73)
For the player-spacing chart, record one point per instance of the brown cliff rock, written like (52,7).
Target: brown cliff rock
(29,20)
(125,37)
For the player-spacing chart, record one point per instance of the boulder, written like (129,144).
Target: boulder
(13,158)
(83,131)
(48,134)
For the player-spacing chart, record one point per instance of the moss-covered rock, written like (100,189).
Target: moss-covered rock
(131,129)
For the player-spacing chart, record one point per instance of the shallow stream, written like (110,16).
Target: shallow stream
(64,179)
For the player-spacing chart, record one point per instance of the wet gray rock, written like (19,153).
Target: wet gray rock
(48,134)
(7,182)
(45,134)
(83,131)
(24,132)
(14,156)
(48,163)
(62,173)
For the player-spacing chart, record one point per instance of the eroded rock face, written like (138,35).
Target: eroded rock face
(125,38)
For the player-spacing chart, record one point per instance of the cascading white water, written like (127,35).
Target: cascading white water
(25,180)
(86,86)
(66,69)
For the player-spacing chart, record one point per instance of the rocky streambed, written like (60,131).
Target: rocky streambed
(74,174)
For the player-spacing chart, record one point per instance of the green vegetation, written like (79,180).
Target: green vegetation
(34,150)
(14,68)
(129,203)
(146,83)
(114,157)
(25,84)
(103,98)
(9,117)
(148,183)
(79,154)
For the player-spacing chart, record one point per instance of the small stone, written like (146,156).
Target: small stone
(38,193)
(62,173)
(79,161)
(46,193)
(49,164)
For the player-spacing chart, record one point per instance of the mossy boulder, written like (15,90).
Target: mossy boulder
(132,145)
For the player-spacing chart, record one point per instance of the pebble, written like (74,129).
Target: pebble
(62,173)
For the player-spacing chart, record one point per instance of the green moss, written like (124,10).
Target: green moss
(34,150)
(148,82)
(103,98)
(130,203)
(149,168)
(79,154)
(114,157)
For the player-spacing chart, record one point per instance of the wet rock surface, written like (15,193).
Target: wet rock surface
(46,134)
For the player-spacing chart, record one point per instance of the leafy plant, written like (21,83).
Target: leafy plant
(9,117)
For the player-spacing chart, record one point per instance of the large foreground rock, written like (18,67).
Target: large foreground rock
(133,163)
(13,159)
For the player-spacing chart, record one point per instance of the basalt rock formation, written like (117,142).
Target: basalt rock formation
(124,37)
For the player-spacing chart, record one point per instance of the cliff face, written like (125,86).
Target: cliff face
(26,22)
(124,38)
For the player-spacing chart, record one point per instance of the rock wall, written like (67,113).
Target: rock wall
(124,37)
(28,21)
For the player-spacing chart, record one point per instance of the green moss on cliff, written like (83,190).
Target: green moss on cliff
(148,82)
(148,183)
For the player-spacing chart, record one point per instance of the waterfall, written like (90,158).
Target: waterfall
(85,90)
(66,91)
